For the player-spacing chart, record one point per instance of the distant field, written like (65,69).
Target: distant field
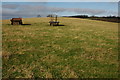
(81,48)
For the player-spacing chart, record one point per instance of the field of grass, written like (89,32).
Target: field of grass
(80,49)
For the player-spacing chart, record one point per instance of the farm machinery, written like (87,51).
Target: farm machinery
(16,21)
(53,21)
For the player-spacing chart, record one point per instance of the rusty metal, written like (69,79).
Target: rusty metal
(16,21)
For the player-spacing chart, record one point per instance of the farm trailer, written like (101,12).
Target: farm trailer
(16,21)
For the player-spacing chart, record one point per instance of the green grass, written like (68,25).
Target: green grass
(80,49)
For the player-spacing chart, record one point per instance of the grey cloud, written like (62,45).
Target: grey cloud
(78,10)
(9,12)
(34,10)
(87,11)
(113,13)
(10,6)
(54,9)
(94,11)
(22,10)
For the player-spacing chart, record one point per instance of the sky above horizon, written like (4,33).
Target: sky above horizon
(32,9)
(60,0)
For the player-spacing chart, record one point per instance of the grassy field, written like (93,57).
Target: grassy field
(80,49)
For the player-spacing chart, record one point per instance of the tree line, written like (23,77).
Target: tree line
(86,16)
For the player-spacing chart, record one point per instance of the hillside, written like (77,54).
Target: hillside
(78,48)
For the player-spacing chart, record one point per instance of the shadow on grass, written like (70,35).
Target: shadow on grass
(26,24)
(56,25)
(21,24)
(59,25)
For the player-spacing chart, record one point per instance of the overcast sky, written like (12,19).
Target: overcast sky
(32,9)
